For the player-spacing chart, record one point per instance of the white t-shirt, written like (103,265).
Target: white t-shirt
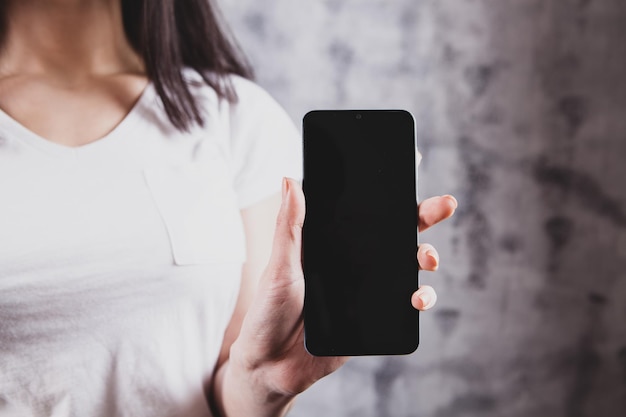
(120,260)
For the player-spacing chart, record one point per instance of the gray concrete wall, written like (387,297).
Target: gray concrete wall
(521,107)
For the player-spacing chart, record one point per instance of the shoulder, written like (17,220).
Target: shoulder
(252,104)
(257,109)
(253,116)
(247,91)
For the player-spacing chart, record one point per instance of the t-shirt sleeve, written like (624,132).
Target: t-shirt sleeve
(265,144)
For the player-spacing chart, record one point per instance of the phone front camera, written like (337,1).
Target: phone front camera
(358,116)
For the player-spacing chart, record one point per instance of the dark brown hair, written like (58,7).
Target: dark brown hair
(173,34)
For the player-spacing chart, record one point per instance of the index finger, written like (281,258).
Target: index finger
(435,209)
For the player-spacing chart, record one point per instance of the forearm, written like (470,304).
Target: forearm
(237,392)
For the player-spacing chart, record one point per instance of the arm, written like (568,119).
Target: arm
(258,222)
(259,370)
(264,364)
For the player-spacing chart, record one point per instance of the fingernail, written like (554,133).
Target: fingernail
(433,258)
(451,198)
(285,187)
(425,300)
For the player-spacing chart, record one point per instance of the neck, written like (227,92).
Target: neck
(69,39)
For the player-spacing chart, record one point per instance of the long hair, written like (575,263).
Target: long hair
(173,34)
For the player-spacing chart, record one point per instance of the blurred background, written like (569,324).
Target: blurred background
(521,113)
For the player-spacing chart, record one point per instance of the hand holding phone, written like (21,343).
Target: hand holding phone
(360,232)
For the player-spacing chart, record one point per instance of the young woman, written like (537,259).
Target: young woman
(142,269)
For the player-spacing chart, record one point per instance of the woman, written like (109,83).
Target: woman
(139,168)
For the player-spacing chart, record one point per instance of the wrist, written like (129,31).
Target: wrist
(247,389)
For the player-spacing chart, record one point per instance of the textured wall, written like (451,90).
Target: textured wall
(521,107)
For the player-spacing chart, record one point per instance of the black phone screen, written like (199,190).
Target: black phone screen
(360,232)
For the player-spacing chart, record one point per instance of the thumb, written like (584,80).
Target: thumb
(286,249)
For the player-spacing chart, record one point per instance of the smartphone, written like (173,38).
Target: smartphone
(359,248)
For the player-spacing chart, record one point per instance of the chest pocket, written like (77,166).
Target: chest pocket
(200,211)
